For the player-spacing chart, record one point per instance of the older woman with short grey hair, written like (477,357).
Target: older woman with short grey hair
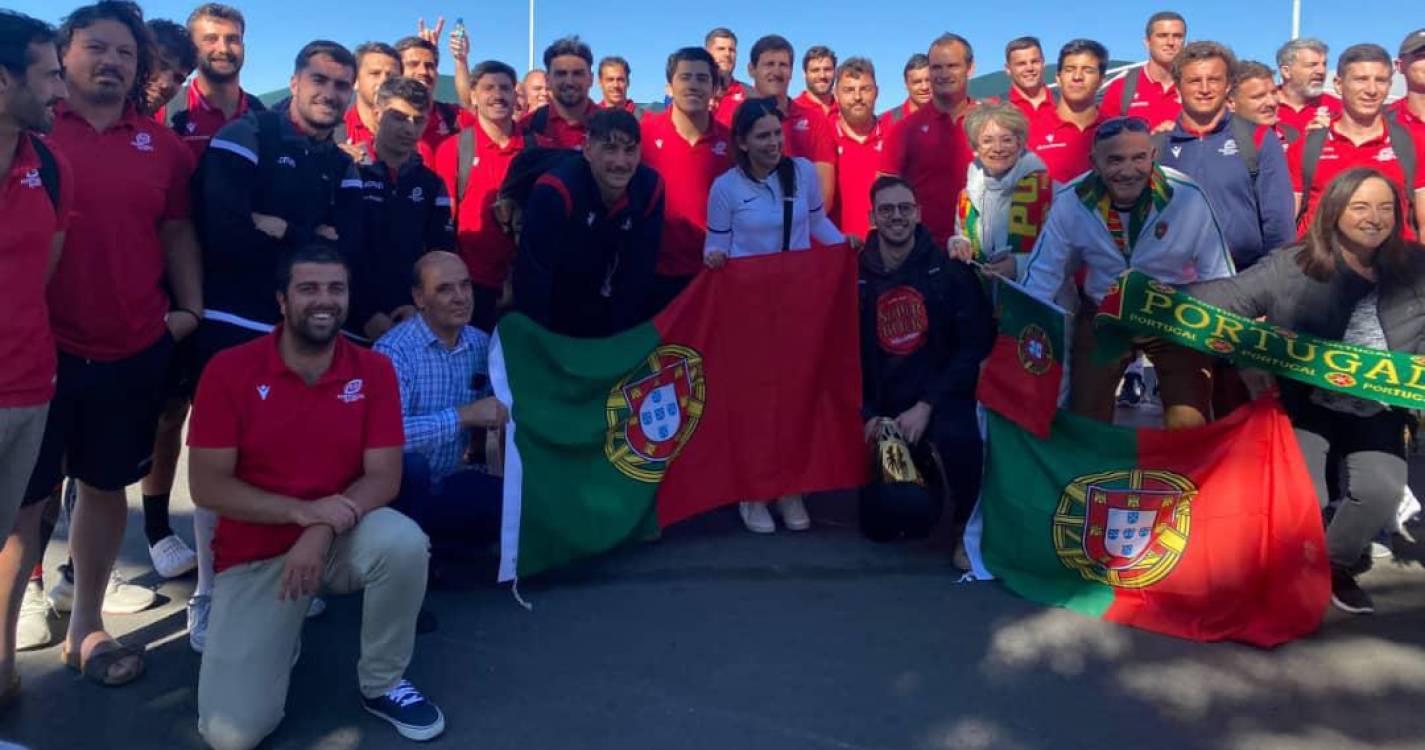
(1007,192)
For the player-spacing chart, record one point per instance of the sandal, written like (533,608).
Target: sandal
(102,658)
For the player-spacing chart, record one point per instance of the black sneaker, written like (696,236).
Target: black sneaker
(1348,596)
(414,717)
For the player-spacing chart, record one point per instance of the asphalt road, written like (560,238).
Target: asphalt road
(715,638)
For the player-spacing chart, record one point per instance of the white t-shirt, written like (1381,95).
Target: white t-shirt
(745,215)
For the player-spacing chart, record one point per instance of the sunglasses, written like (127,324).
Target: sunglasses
(1118,125)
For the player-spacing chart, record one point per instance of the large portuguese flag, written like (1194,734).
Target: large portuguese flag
(1208,534)
(747,387)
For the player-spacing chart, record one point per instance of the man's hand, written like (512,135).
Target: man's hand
(715,259)
(181,324)
(379,324)
(272,226)
(959,249)
(356,151)
(305,561)
(431,35)
(488,412)
(913,421)
(403,313)
(337,511)
(1321,120)
(1004,266)
(327,232)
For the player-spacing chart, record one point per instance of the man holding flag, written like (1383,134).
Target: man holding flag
(1130,213)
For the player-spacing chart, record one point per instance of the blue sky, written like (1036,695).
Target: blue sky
(645,31)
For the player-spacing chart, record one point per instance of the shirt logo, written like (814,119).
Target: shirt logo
(878,145)
(1386,154)
(373,184)
(475,161)
(417,194)
(262,391)
(1049,137)
(441,128)
(1229,148)
(352,392)
(590,220)
(737,97)
(925,128)
(192,127)
(658,143)
(803,124)
(720,148)
(286,161)
(627,223)
(142,142)
(1323,111)
(1177,151)
(31,179)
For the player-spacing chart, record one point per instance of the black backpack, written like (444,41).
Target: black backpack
(49,170)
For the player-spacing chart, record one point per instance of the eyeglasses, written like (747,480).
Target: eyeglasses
(1117,125)
(891,209)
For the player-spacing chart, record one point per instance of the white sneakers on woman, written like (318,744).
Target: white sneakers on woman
(758,519)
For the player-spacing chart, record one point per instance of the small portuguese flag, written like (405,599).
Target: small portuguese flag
(1021,377)
(1209,534)
(722,397)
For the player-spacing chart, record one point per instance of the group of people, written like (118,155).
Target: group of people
(317,281)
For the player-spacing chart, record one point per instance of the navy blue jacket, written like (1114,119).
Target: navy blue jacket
(1255,217)
(583,268)
(251,168)
(404,216)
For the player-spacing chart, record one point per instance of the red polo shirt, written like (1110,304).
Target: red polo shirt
(1339,154)
(559,132)
(31,220)
(107,299)
(628,106)
(807,133)
(301,441)
(444,121)
(813,104)
(205,120)
(892,116)
(856,165)
(1300,118)
(1155,102)
(688,171)
(1062,146)
(1412,122)
(726,105)
(1017,99)
(931,151)
(487,250)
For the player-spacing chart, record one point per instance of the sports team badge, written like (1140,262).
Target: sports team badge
(1125,528)
(653,411)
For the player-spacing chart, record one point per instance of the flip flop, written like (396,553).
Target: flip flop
(102,657)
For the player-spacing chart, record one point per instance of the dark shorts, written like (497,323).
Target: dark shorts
(183,370)
(102,420)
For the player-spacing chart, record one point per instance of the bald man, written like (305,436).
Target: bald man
(446,407)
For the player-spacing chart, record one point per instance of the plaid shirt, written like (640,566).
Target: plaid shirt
(435,381)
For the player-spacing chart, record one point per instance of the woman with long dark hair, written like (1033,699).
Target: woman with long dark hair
(768,203)
(1351,278)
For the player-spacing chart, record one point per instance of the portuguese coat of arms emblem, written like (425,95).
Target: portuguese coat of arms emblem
(1126,528)
(653,411)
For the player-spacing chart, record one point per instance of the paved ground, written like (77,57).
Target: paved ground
(713,638)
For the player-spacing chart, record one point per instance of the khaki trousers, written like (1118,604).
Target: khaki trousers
(1184,378)
(253,637)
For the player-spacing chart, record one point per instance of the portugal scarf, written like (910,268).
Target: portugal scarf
(1094,194)
(1028,208)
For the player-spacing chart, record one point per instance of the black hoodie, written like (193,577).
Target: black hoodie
(925,327)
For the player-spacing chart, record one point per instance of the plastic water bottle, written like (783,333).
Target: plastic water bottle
(459,30)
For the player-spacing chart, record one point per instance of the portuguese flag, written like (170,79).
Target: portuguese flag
(1020,379)
(1207,534)
(746,387)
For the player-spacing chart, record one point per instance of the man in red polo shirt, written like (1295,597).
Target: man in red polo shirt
(420,59)
(564,123)
(929,149)
(1063,136)
(1152,95)
(1302,102)
(490,144)
(1024,64)
(806,131)
(819,73)
(296,443)
(215,96)
(1361,136)
(917,89)
(36,191)
(375,63)
(613,82)
(859,142)
(690,150)
(112,320)
(729,92)
(1410,110)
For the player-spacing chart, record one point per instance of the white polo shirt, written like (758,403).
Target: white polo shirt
(745,215)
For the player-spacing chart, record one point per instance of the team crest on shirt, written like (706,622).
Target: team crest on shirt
(1049,137)
(351,392)
(474,161)
(32,179)
(1177,151)
(142,141)
(192,127)
(658,143)
(1229,148)
(1385,154)
(720,148)
(1161,230)
(417,194)
(1126,528)
(925,128)
(263,390)
(653,412)
(287,161)
(803,124)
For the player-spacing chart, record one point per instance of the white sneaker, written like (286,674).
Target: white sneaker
(61,594)
(120,597)
(198,609)
(34,630)
(794,514)
(172,557)
(756,518)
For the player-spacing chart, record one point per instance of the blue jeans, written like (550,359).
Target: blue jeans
(460,513)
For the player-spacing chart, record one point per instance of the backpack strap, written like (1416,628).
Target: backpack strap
(1404,147)
(466,159)
(1245,135)
(1160,144)
(1130,90)
(178,110)
(49,170)
(1289,134)
(1310,157)
(787,223)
